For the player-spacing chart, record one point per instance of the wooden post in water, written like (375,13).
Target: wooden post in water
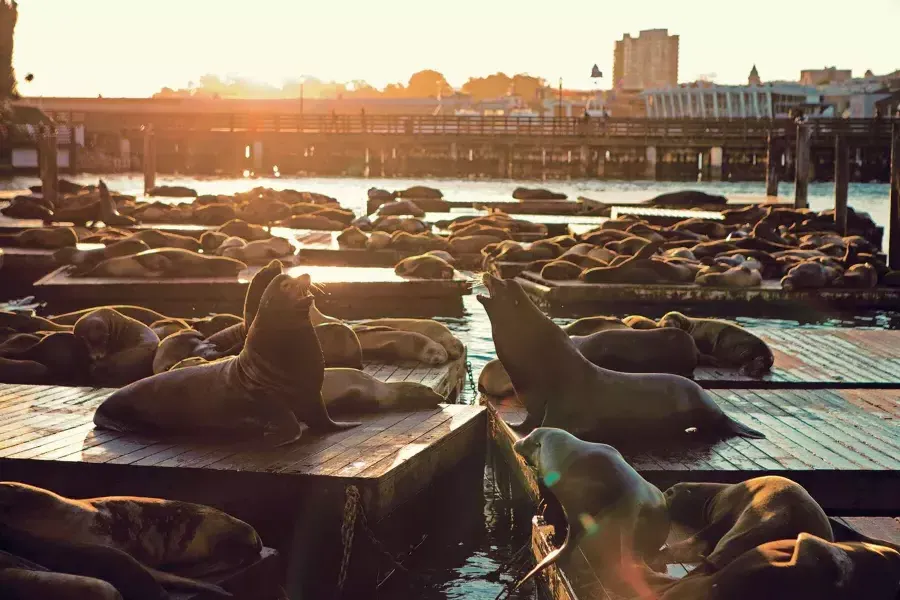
(771,167)
(894,243)
(48,164)
(841,182)
(801,190)
(149,159)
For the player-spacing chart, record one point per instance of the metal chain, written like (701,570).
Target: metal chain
(348,527)
(472,386)
(378,544)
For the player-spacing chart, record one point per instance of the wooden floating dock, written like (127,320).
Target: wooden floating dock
(841,445)
(820,358)
(347,292)
(578,299)
(293,495)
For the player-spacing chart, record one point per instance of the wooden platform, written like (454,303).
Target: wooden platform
(346,292)
(577,299)
(820,358)
(842,445)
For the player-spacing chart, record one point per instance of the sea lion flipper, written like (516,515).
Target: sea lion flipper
(741,430)
(548,560)
(318,419)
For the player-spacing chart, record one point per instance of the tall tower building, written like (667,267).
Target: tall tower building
(648,61)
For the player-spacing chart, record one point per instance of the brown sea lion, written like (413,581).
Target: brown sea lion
(261,251)
(144,315)
(616,518)
(724,344)
(352,237)
(424,267)
(211,240)
(471,244)
(314,222)
(735,277)
(167,262)
(109,214)
(340,346)
(560,388)
(263,393)
(18,583)
(561,270)
(732,519)
(438,332)
(180,346)
(384,343)
(860,276)
(63,353)
(400,207)
(25,323)
(808,275)
(86,259)
(352,390)
(494,380)
(401,240)
(378,240)
(639,322)
(121,349)
(244,230)
(166,327)
(163,239)
(49,238)
(589,325)
(26,372)
(658,350)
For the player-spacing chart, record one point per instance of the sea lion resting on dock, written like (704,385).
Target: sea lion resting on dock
(425,266)
(180,346)
(807,567)
(438,332)
(49,238)
(616,518)
(661,350)
(189,540)
(724,344)
(24,580)
(265,392)
(87,259)
(67,320)
(64,355)
(561,388)
(121,349)
(732,519)
(340,346)
(167,262)
(385,343)
(29,323)
(352,390)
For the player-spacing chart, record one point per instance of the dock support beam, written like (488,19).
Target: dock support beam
(841,182)
(771,167)
(894,224)
(585,156)
(149,159)
(716,156)
(47,154)
(650,163)
(73,148)
(601,162)
(801,189)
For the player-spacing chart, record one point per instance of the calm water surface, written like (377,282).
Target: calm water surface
(488,527)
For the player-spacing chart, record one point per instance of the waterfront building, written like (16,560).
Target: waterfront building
(705,100)
(649,60)
(825,76)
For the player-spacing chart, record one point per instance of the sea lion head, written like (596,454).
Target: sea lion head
(415,396)
(545,439)
(287,295)
(504,296)
(94,329)
(675,319)
(17,499)
(217,535)
(691,503)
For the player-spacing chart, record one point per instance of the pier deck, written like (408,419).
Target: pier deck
(842,448)
(578,299)
(347,292)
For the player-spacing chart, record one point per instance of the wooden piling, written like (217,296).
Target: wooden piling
(771,166)
(841,182)
(49,165)
(801,189)
(149,159)
(894,243)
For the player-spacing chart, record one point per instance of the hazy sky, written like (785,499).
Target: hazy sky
(133,48)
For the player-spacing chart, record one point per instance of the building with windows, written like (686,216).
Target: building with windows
(649,60)
(706,100)
(825,76)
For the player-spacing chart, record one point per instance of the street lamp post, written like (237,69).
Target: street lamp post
(560,98)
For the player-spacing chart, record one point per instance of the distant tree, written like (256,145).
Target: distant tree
(394,90)
(9,15)
(361,89)
(500,84)
(427,84)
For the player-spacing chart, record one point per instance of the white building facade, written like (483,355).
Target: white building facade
(711,101)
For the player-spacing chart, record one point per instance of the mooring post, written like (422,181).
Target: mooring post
(149,158)
(841,182)
(650,163)
(771,167)
(585,156)
(894,240)
(48,164)
(801,189)
(716,162)
(601,162)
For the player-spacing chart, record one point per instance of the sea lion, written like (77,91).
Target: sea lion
(735,277)
(275,381)
(261,251)
(438,332)
(63,353)
(109,214)
(180,346)
(724,344)
(385,343)
(471,244)
(121,349)
(166,327)
(163,239)
(494,380)
(352,237)
(212,214)
(425,266)
(86,259)
(589,325)
(25,207)
(687,198)
(561,388)
(24,584)
(378,240)
(732,519)
(172,191)
(860,276)
(191,540)
(419,191)
(639,322)
(25,323)
(658,350)
(629,245)
(340,346)
(400,207)
(616,518)
(524,193)
(423,242)
(560,270)
(26,372)
(311,222)
(244,230)
(46,238)
(352,390)
(144,315)
(167,262)
(211,240)
(808,275)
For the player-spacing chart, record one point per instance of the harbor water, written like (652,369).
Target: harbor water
(492,528)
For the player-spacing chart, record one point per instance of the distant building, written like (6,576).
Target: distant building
(825,76)
(648,61)
(705,100)
(754,79)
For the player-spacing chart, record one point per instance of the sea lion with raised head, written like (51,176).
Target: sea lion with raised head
(109,214)
(729,520)
(724,344)
(340,346)
(385,343)
(438,332)
(616,518)
(352,390)
(559,387)
(263,393)
(121,349)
